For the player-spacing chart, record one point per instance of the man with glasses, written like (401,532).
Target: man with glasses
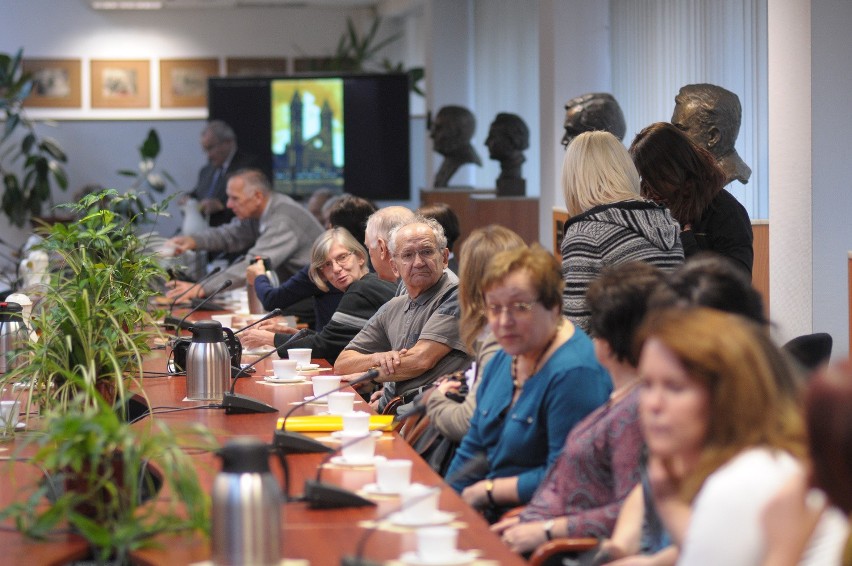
(414,338)
(223,157)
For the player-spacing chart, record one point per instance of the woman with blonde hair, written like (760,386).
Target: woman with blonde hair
(450,417)
(610,222)
(340,261)
(722,436)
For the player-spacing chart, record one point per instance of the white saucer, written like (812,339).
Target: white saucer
(291,379)
(459,558)
(341,461)
(374,489)
(258,351)
(311,399)
(437,518)
(338,434)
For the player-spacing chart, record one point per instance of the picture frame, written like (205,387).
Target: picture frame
(121,83)
(256,66)
(56,83)
(183,82)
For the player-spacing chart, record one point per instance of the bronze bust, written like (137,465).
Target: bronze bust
(710,116)
(507,139)
(593,111)
(451,132)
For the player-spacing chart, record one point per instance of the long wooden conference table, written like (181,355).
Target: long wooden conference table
(322,537)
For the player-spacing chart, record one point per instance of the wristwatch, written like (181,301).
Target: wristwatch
(548,529)
(489,488)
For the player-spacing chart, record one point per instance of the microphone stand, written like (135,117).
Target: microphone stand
(295,443)
(227,283)
(267,316)
(213,272)
(235,404)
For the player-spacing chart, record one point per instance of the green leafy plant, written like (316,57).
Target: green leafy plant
(145,177)
(93,319)
(29,163)
(102,477)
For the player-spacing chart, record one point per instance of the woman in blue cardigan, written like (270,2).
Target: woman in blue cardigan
(542,382)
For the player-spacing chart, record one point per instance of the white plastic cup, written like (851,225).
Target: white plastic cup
(9,412)
(356,423)
(301,355)
(341,402)
(393,476)
(284,369)
(358,447)
(224,319)
(419,501)
(323,383)
(437,543)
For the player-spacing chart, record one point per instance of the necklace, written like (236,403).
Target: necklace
(516,383)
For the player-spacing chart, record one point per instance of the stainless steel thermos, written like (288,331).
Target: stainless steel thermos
(246,507)
(13,336)
(208,361)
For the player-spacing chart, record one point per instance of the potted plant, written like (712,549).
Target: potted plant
(29,163)
(93,318)
(103,475)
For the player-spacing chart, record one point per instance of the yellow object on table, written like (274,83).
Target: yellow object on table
(330,423)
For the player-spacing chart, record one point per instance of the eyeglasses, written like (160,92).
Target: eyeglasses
(425,254)
(514,309)
(340,260)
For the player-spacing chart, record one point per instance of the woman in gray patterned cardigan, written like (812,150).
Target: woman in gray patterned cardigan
(610,222)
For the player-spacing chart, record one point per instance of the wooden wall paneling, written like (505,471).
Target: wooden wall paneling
(760,270)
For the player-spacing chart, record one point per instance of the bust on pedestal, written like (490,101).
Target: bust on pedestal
(507,139)
(451,132)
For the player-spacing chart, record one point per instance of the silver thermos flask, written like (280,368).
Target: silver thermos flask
(13,336)
(246,507)
(208,362)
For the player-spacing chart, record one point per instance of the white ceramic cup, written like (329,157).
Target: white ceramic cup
(224,319)
(9,412)
(437,543)
(284,369)
(419,501)
(358,447)
(393,476)
(324,383)
(341,402)
(301,355)
(356,423)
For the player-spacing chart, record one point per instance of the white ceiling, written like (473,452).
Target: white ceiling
(178,4)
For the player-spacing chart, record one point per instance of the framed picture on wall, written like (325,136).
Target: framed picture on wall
(56,83)
(256,67)
(183,82)
(121,84)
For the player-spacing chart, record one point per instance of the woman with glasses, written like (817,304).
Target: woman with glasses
(337,259)
(542,382)
(610,221)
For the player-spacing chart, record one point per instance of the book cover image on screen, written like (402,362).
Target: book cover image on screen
(346,133)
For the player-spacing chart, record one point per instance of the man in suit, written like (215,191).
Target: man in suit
(223,157)
(269,224)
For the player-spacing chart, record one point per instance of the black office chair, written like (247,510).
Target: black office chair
(810,350)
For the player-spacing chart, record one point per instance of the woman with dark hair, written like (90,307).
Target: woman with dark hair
(686,179)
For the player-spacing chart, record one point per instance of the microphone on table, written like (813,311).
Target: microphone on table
(234,403)
(181,324)
(271,314)
(319,495)
(295,443)
(213,272)
(476,466)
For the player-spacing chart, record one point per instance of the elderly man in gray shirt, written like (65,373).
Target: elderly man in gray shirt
(414,338)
